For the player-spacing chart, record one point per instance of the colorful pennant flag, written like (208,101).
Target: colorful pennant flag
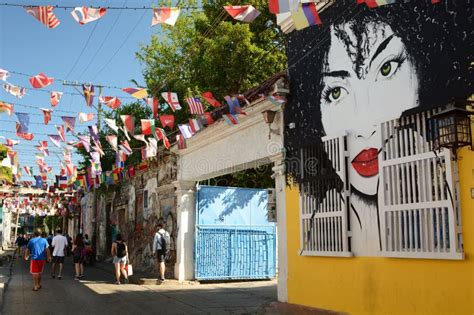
(165,15)
(86,142)
(378,3)
(153,103)
(6,108)
(61,132)
(185,130)
(112,140)
(126,147)
(172,99)
(234,105)
(307,15)
(112,125)
(4,74)
(141,138)
(128,123)
(231,119)
(47,115)
(282,6)
(136,92)
(276,100)
(110,101)
(69,122)
(24,120)
(208,118)
(21,134)
(88,91)
(211,99)
(55,97)
(84,15)
(55,139)
(44,14)
(11,142)
(148,126)
(194,125)
(16,91)
(28,170)
(180,141)
(40,81)
(167,121)
(243,13)
(195,105)
(94,132)
(83,117)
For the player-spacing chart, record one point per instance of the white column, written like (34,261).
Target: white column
(186,217)
(280,186)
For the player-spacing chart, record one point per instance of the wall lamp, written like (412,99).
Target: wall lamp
(269,117)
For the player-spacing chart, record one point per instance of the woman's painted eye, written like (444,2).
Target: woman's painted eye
(334,94)
(386,68)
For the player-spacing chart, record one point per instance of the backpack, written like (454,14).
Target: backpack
(121,252)
(164,241)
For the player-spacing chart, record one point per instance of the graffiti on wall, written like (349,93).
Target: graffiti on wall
(363,67)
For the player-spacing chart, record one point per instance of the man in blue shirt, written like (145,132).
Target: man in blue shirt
(38,249)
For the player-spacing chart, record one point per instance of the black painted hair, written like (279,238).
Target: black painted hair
(438,40)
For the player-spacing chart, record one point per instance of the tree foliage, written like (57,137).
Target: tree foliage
(5,172)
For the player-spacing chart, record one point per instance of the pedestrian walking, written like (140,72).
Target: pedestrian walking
(79,252)
(59,244)
(161,247)
(38,250)
(120,253)
(20,240)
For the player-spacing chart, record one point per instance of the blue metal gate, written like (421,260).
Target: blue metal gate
(234,239)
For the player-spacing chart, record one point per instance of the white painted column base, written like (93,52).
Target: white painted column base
(186,217)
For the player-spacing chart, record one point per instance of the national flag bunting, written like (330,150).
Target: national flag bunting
(55,98)
(378,3)
(128,123)
(16,91)
(185,130)
(136,92)
(86,142)
(208,118)
(211,99)
(94,132)
(24,135)
(307,15)
(234,105)
(6,108)
(172,99)
(153,103)
(112,125)
(194,125)
(165,15)
(44,14)
(69,122)
(282,6)
(195,105)
(84,15)
(55,139)
(180,141)
(110,101)
(148,126)
(85,117)
(61,132)
(167,121)
(125,146)
(24,120)
(231,119)
(28,170)
(88,91)
(243,13)
(11,142)
(4,74)
(276,100)
(112,140)
(46,115)
(40,81)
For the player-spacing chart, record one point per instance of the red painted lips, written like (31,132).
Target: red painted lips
(366,163)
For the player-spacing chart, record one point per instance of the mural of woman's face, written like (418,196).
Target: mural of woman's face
(368,79)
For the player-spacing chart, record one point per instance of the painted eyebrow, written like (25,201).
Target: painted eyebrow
(381,47)
(339,74)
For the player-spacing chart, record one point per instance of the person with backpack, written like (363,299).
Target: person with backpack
(120,253)
(161,247)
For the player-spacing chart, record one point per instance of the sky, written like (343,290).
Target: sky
(101,52)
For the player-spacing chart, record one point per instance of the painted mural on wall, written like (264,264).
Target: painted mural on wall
(363,67)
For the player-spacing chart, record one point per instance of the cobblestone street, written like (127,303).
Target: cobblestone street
(97,294)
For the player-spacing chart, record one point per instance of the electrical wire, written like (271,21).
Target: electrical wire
(97,7)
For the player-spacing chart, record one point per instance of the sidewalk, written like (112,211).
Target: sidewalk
(6,258)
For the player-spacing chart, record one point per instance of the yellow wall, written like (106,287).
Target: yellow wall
(369,285)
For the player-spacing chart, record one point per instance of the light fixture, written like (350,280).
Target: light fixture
(269,117)
(451,128)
